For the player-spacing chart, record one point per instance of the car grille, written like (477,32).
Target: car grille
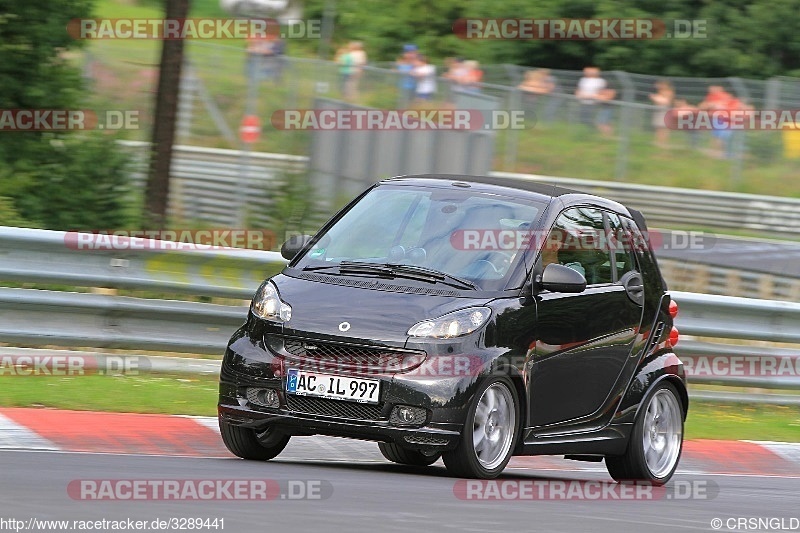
(338,356)
(337,408)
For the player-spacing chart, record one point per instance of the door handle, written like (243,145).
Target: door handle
(634,287)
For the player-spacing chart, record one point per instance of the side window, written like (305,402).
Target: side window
(578,240)
(621,241)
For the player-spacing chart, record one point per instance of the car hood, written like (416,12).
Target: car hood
(320,310)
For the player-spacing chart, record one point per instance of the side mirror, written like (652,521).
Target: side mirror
(292,247)
(560,278)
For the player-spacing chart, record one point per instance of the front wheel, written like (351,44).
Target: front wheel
(489,434)
(245,443)
(398,454)
(656,441)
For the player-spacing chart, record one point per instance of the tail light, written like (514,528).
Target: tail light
(674,336)
(673,308)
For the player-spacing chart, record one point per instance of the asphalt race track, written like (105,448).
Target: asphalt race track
(371,494)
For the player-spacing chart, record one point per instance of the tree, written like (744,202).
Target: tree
(157,193)
(35,73)
(53,179)
(749,38)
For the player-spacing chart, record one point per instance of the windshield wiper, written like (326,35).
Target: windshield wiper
(319,267)
(395,270)
(354,267)
(438,275)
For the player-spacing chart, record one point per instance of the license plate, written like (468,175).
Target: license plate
(333,387)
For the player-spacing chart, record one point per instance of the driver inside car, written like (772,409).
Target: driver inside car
(554,250)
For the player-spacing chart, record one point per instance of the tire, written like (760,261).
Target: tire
(493,415)
(404,456)
(243,442)
(656,441)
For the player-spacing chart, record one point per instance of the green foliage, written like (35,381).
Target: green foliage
(57,180)
(79,183)
(35,72)
(742,38)
(293,206)
(8,213)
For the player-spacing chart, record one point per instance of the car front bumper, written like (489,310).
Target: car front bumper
(253,364)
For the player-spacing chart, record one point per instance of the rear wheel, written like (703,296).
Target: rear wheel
(245,443)
(487,441)
(404,456)
(654,448)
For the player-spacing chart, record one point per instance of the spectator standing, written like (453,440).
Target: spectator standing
(537,82)
(662,98)
(465,76)
(683,110)
(718,99)
(472,77)
(357,62)
(605,112)
(259,48)
(345,62)
(454,73)
(537,89)
(425,74)
(589,90)
(404,65)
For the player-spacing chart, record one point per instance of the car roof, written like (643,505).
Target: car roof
(540,190)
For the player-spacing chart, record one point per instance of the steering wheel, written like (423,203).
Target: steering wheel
(505,261)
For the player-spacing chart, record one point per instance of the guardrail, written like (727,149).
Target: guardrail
(780,216)
(712,279)
(37,317)
(219,186)
(56,257)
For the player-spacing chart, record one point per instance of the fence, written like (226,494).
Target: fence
(205,183)
(37,317)
(218,92)
(208,185)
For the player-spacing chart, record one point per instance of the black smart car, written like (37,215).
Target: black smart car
(467,318)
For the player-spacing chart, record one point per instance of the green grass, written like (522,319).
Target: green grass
(191,395)
(165,394)
(743,422)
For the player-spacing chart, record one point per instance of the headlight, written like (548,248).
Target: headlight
(267,304)
(453,324)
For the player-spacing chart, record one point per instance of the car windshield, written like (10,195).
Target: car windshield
(466,235)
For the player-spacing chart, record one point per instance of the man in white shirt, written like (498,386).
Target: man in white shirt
(589,92)
(590,85)
(425,73)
